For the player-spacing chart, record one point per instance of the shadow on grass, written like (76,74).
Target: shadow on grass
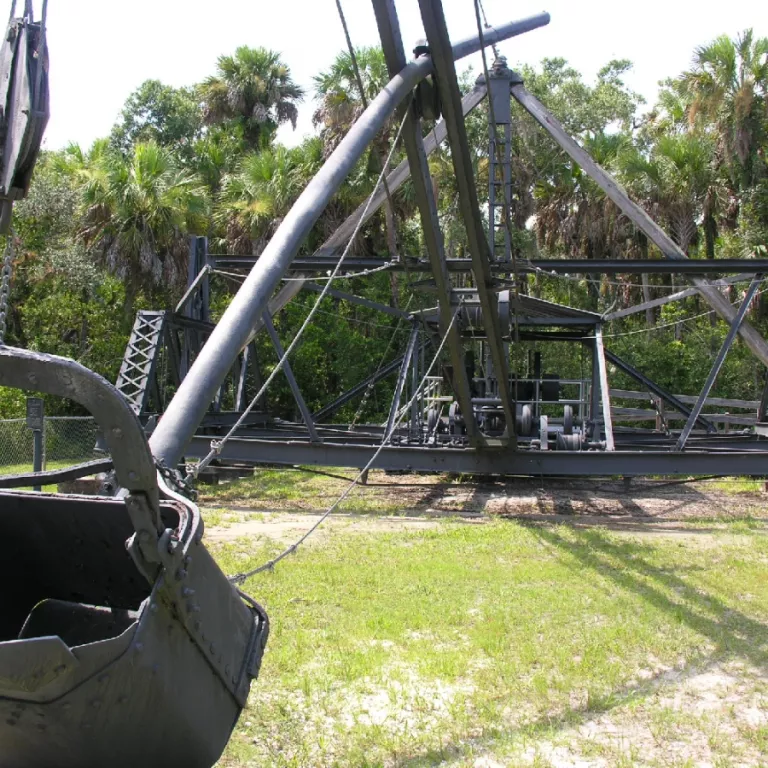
(732,633)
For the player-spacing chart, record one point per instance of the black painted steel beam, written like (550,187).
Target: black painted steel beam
(358,389)
(722,462)
(556,266)
(441,52)
(718,363)
(651,385)
(360,300)
(392,45)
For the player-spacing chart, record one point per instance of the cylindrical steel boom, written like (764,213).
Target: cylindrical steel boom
(186,410)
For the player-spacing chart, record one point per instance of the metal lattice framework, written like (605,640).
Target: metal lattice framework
(477,415)
(137,372)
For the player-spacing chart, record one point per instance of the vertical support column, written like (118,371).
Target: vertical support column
(594,390)
(718,364)
(392,45)
(499,157)
(605,392)
(414,431)
(292,383)
(762,409)
(198,307)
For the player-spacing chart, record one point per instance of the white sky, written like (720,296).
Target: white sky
(101,50)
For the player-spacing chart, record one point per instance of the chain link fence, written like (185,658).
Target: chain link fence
(68,440)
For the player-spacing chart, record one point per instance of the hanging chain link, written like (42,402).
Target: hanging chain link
(176,480)
(5,285)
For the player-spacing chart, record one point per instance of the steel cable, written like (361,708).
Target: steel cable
(268,566)
(217,445)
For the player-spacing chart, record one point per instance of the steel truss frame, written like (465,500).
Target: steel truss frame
(483,433)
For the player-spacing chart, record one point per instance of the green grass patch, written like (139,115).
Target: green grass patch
(282,489)
(429,648)
(736,485)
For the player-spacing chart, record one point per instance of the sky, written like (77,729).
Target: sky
(101,50)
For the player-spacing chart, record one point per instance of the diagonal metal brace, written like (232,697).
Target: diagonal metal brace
(306,414)
(718,364)
(448,87)
(389,30)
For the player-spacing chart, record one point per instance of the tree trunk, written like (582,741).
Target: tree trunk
(650,317)
(710,235)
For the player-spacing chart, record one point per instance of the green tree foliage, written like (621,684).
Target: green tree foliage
(105,231)
(252,92)
(727,88)
(678,182)
(137,213)
(170,117)
(255,199)
(339,94)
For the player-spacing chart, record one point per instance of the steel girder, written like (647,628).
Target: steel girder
(441,54)
(233,331)
(638,216)
(320,263)
(389,31)
(722,462)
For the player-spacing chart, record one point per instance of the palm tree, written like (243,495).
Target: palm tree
(137,213)
(339,93)
(253,90)
(678,182)
(256,197)
(727,86)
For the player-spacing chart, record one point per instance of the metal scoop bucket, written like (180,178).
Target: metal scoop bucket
(121,641)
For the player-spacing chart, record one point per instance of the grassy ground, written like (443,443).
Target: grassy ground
(581,624)
(272,489)
(500,642)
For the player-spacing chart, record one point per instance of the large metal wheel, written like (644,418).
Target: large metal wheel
(525,420)
(568,420)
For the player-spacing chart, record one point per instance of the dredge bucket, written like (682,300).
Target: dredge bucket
(121,641)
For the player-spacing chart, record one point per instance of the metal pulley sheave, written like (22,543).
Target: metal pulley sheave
(24,105)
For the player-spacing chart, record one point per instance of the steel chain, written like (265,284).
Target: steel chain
(5,286)
(176,480)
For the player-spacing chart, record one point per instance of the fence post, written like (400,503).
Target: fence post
(36,422)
